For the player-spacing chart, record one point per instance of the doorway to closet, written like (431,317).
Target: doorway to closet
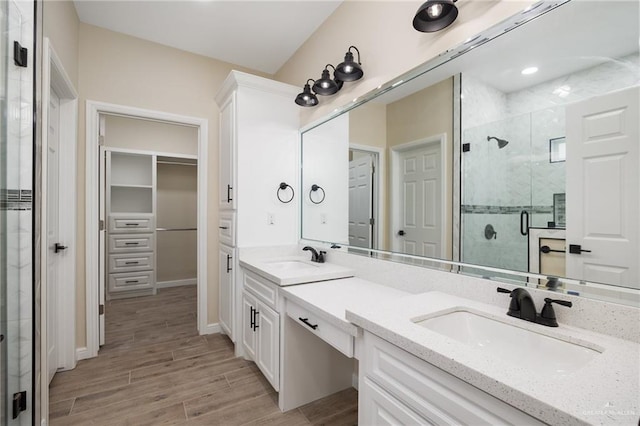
(148,244)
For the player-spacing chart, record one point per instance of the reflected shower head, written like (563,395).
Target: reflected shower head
(501,142)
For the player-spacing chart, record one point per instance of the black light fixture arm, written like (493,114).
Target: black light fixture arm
(353,47)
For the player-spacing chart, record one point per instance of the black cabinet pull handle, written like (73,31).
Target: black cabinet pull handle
(524,223)
(132,224)
(307,323)
(577,249)
(131,281)
(255,319)
(228,267)
(131,244)
(223,227)
(229,188)
(252,317)
(131,263)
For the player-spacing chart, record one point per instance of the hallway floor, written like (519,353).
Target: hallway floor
(156,370)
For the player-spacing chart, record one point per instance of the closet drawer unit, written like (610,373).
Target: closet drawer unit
(130,262)
(131,224)
(128,243)
(339,339)
(131,281)
(261,288)
(226,229)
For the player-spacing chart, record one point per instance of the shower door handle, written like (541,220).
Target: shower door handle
(524,222)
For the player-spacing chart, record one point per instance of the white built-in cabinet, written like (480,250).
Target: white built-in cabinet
(259,124)
(130,206)
(261,326)
(397,388)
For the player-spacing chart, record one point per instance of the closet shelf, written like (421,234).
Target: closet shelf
(122,185)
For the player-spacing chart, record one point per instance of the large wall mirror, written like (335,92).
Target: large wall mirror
(517,151)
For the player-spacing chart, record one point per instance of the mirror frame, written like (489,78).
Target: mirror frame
(455,266)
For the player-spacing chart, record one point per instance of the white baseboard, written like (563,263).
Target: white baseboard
(82,353)
(211,329)
(176,283)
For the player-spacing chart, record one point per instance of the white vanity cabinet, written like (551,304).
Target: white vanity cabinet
(261,326)
(258,150)
(398,388)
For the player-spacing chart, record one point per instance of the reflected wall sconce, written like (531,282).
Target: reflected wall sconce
(349,70)
(435,15)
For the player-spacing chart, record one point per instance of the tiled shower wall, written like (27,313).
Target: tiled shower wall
(16,205)
(499,183)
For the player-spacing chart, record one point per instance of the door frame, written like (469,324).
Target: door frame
(378,190)
(93,111)
(55,77)
(395,187)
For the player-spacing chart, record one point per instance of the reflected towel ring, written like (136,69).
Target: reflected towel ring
(283,186)
(314,188)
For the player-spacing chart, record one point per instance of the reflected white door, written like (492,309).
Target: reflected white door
(603,196)
(421,198)
(53,232)
(361,201)
(102,237)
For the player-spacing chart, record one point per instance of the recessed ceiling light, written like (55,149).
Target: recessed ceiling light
(529,70)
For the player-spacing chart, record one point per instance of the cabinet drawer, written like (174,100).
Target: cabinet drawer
(434,394)
(130,262)
(377,407)
(131,281)
(127,243)
(261,288)
(339,339)
(226,228)
(131,224)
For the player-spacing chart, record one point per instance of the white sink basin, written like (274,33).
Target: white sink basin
(537,352)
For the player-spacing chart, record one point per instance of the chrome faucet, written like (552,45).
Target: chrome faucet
(315,255)
(522,307)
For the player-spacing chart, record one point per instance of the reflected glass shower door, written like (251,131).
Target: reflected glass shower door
(496,194)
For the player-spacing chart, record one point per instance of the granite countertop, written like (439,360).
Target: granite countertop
(604,391)
(331,299)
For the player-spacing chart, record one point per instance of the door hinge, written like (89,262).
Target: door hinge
(466,147)
(372,221)
(100,309)
(19,403)
(19,55)
(101,224)
(373,169)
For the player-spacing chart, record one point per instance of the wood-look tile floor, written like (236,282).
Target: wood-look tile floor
(156,370)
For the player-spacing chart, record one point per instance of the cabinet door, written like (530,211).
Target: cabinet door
(226,289)
(248,330)
(377,407)
(269,344)
(226,182)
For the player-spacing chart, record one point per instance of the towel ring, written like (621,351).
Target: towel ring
(314,188)
(283,186)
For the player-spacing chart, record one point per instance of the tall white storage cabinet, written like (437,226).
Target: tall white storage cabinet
(130,203)
(258,150)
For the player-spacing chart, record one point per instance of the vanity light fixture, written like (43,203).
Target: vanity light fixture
(529,70)
(307,98)
(349,70)
(326,86)
(435,15)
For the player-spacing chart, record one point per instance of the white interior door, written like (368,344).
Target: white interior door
(361,201)
(53,232)
(421,200)
(102,237)
(603,199)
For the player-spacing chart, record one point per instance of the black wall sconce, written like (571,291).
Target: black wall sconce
(435,15)
(349,70)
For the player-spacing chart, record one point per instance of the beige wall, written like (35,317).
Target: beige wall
(390,46)
(124,132)
(176,208)
(426,113)
(61,26)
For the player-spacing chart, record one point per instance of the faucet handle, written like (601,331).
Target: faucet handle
(503,290)
(321,254)
(548,315)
